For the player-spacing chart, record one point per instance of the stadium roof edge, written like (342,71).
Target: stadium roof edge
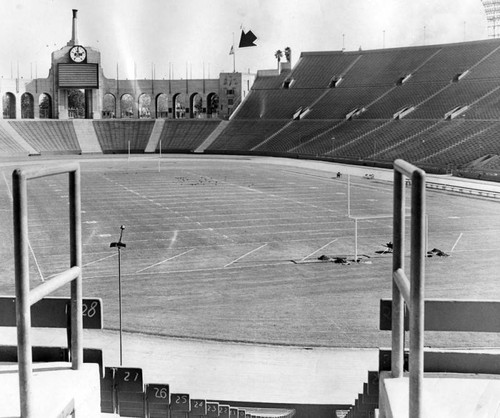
(310,53)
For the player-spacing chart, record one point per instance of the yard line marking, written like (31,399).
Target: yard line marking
(244,255)
(456,242)
(319,249)
(29,243)
(168,259)
(101,259)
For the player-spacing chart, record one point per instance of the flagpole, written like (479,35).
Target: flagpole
(234,56)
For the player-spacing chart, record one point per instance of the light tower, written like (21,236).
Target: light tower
(492,10)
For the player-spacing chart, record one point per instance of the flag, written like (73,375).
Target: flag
(247,39)
(231,52)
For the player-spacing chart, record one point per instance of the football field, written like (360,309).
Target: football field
(228,249)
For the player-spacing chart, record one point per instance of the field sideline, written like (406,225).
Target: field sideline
(226,249)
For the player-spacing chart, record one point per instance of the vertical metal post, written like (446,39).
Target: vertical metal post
(355,240)
(417,270)
(23,312)
(75,231)
(119,245)
(348,195)
(397,359)
(120,303)
(159,159)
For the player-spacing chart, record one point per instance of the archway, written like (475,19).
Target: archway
(27,106)
(45,106)
(195,106)
(76,104)
(144,106)
(162,106)
(9,106)
(109,106)
(127,106)
(179,107)
(212,105)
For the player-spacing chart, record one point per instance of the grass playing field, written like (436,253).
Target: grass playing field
(227,249)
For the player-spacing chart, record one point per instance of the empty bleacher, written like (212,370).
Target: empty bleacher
(338,102)
(386,67)
(315,70)
(267,81)
(294,135)
(333,140)
(422,85)
(185,135)
(49,136)
(276,104)
(243,135)
(8,146)
(453,59)
(118,136)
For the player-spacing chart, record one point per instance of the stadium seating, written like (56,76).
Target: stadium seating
(276,104)
(315,70)
(124,392)
(357,106)
(118,136)
(387,66)
(185,135)
(423,86)
(49,136)
(8,146)
(243,135)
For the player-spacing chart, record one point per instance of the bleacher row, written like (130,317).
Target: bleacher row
(436,105)
(113,136)
(124,393)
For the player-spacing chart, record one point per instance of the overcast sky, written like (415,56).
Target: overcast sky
(190,35)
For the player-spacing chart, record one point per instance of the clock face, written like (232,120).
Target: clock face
(78,53)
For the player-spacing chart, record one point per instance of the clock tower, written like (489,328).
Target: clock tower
(76,71)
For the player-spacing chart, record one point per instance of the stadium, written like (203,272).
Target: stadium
(233,243)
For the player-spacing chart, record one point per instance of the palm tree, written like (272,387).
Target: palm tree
(278,55)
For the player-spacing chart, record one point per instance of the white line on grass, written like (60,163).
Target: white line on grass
(168,259)
(29,243)
(319,249)
(101,259)
(244,255)
(456,242)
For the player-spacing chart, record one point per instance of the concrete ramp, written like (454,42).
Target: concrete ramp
(444,396)
(87,137)
(155,136)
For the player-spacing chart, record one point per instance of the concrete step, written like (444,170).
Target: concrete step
(87,137)
(213,136)
(155,135)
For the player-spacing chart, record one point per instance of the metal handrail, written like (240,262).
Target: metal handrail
(26,297)
(409,290)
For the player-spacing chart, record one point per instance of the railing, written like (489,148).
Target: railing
(26,297)
(408,291)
